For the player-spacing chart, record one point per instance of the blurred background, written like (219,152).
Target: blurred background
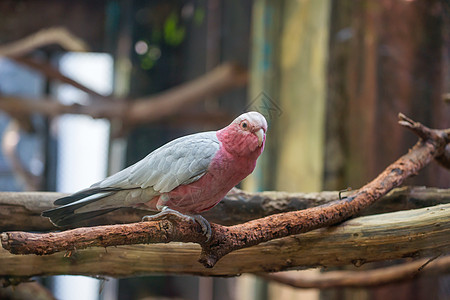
(330,77)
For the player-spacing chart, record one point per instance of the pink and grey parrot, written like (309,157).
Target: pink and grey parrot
(185,177)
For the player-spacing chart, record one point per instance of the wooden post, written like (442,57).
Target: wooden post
(288,85)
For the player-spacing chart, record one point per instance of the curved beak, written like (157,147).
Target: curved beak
(260,135)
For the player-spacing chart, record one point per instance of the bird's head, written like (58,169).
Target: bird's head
(246,135)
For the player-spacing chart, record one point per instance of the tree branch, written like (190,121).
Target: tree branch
(44,37)
(213,83)
(228,239)
(51,72)
(437,136)
(237,207)
(366,278)
(413,233)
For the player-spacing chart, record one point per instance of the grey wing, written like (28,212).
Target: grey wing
(179,162)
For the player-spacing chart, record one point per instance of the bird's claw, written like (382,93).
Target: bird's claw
(206,227)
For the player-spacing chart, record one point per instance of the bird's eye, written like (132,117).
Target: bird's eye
(244,125)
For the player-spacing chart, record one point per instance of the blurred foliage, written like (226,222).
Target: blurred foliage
(174,33)
(199,16)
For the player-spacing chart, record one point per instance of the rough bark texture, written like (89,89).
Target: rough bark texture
(413,233)
(228,239)
(237,207)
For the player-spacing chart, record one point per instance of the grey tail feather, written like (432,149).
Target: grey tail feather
(65,215)
(83,194)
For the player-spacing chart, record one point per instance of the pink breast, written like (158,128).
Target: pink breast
(224,173)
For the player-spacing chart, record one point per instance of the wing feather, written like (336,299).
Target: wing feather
(174,164)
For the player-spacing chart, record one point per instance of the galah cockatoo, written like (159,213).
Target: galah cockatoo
(185,177)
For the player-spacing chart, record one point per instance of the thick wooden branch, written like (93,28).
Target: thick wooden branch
(228,239)
(366,278)
(237,207)
(413,233)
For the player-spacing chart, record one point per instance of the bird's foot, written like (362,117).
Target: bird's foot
(206,227)
(166,212)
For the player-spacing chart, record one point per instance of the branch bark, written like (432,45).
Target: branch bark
(413,233)
(366,278)
(228,239)
(237,207)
